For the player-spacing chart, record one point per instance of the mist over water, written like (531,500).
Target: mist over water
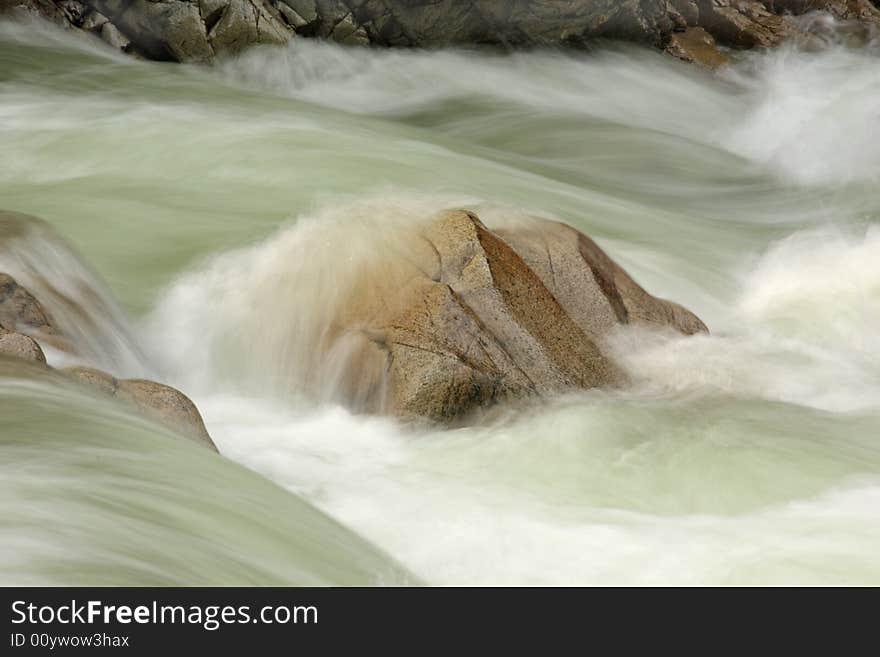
(227,209)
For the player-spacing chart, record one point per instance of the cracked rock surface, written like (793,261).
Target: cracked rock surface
(464,317)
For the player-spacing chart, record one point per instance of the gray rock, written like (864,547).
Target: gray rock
(30,9)
(233,25)
(694,44)
(291,17)
(199,30)
(306,9)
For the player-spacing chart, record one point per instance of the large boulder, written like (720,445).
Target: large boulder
(200,30)
(20,311)
(454,317)
(184,30)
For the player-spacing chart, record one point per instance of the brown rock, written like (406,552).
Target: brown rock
(456,316)
(157,401)
(696,45)
(166,405)
(20,311)
(687,9)
(93,378)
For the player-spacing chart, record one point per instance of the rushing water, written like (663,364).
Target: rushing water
(224,207)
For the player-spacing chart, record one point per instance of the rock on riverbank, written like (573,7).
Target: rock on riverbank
(200,30)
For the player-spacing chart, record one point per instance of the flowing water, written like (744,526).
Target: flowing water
(221,209)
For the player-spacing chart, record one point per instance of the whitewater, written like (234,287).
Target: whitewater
(220,210)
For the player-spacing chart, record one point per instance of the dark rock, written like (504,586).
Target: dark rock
(46,9)
(20,311)
(113,37)
(233,25)
(169,30)
(688,10)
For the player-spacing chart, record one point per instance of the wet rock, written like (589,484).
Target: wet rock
(74,10)
(157,401)
(696,45)
(291,16)
(62,303)
(687,10)
(30,9)
(233,25)
(94,378)
(168,30)
(94,21)
(20,311)
(199,30)
(589,285)
(25,323)
(348,33)
(743,23)
(21,346)
(307,10)
(113,37)
(462,317)
(857,21)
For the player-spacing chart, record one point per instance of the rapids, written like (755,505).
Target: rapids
(224,207)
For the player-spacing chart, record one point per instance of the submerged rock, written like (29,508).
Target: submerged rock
(200,30)
(464,317)
(157,401)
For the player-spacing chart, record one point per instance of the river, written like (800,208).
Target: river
(217,209)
